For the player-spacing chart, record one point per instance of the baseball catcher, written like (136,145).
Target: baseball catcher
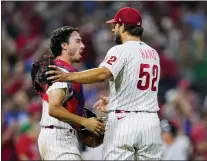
(40,86)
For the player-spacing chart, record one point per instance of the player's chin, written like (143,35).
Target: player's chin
(77,60)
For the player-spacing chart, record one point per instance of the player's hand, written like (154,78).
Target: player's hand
(102,104)
(57,75)
(93,125)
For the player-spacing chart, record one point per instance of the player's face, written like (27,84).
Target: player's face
(117,33)
(75,47)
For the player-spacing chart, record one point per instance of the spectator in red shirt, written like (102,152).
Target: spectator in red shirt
(8,151)
(27,148)
(169,74)
(199,137)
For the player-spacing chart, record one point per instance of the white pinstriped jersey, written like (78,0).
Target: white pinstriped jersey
(135,67)
(46,119)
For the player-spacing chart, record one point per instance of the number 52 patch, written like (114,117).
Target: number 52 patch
(111,60)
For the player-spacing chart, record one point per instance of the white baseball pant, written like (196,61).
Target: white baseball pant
(132,136)
(58,144)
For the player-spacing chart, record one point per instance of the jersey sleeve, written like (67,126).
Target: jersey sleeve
(114,60)
(58,85)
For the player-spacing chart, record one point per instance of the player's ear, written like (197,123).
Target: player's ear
(64,45)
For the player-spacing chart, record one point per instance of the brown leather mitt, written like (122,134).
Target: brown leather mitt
(87,137)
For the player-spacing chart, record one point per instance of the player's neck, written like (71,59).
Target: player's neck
(65,59)
(127,37)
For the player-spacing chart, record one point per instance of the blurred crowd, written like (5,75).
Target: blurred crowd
(177,30)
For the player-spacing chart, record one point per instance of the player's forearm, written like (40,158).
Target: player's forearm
(88,76)
(62,114)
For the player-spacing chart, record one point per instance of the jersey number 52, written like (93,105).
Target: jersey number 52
(145,75)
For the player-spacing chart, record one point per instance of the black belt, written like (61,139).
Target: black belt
(72,131)
(48,127)
(123,111)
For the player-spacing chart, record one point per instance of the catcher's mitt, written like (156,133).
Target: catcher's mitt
(87,137)
(39,78)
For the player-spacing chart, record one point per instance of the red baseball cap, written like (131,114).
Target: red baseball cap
(128,16)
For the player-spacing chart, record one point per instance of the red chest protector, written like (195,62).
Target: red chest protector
(74,103)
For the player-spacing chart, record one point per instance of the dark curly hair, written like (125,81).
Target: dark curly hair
(58,36)
(134,30)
